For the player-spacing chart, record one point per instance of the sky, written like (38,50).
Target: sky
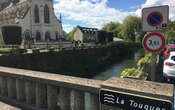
(97,13)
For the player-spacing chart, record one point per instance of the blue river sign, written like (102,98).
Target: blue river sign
(127,101)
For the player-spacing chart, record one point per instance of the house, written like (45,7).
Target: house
(86,35)
(36,18)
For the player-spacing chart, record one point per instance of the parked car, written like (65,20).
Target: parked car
(83,44)
(170,47)
(91,44)
(169,67)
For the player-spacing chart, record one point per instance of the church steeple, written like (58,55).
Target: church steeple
(60,18)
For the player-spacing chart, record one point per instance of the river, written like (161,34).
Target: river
(115,71)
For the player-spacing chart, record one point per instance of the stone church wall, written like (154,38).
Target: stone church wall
(53,27)
(4,3)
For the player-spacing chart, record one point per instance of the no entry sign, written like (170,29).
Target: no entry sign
(153,42)
(155,18)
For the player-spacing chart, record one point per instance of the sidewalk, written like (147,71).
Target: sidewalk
(4,106)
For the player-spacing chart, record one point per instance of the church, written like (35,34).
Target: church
(36,18)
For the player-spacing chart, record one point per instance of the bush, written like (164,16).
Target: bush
(127,71)
(63,48)
(12,50)
(144,60)
(137,71)
(36,50)
(5,50)
(51,49)
(20,50)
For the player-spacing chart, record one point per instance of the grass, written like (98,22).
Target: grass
(12,50)
(5,50)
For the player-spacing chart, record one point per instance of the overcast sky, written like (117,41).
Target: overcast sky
(97,13)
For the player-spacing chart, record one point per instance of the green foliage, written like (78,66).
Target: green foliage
(12,50)
(137,71)
(5,50)
(70,35)
(114,27)
(170,33)
(36,50)
(127,71)
(64,33)
(19,50)
(144,60)
(51,49)
(138,38)
(130,30)
(62,48)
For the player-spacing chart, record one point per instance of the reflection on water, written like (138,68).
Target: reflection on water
(116,69)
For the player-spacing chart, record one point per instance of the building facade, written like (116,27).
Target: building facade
(37,19)
(85,35)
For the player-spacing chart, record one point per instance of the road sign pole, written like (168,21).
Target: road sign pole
(153,42)
(153,67)
(154,19)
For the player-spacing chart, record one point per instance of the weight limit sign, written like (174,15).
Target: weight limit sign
(153,42)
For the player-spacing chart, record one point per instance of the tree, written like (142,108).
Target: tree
(131,28)
(113,27)
(170,33)
(64,33)
(70,35)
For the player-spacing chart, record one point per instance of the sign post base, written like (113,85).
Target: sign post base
(153,67)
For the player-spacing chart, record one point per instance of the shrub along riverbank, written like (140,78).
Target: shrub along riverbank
(76,62)
(141,71)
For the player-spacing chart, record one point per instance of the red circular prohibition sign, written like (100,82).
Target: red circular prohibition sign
(151,16)
(153,50)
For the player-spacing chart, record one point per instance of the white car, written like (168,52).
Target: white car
(169,67)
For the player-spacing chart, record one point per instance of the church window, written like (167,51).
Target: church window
(46,14)
(47,36)
(56,35)
(36,12)
(38,36)
(27,36)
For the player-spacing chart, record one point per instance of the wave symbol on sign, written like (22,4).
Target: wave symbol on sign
(109,98)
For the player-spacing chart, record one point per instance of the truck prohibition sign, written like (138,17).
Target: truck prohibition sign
(153,42)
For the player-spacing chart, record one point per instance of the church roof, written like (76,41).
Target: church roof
(13,12)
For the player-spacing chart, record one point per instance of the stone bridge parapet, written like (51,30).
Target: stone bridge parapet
(45,91)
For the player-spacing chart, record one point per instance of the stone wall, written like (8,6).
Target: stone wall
(76,62)
(32,90)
